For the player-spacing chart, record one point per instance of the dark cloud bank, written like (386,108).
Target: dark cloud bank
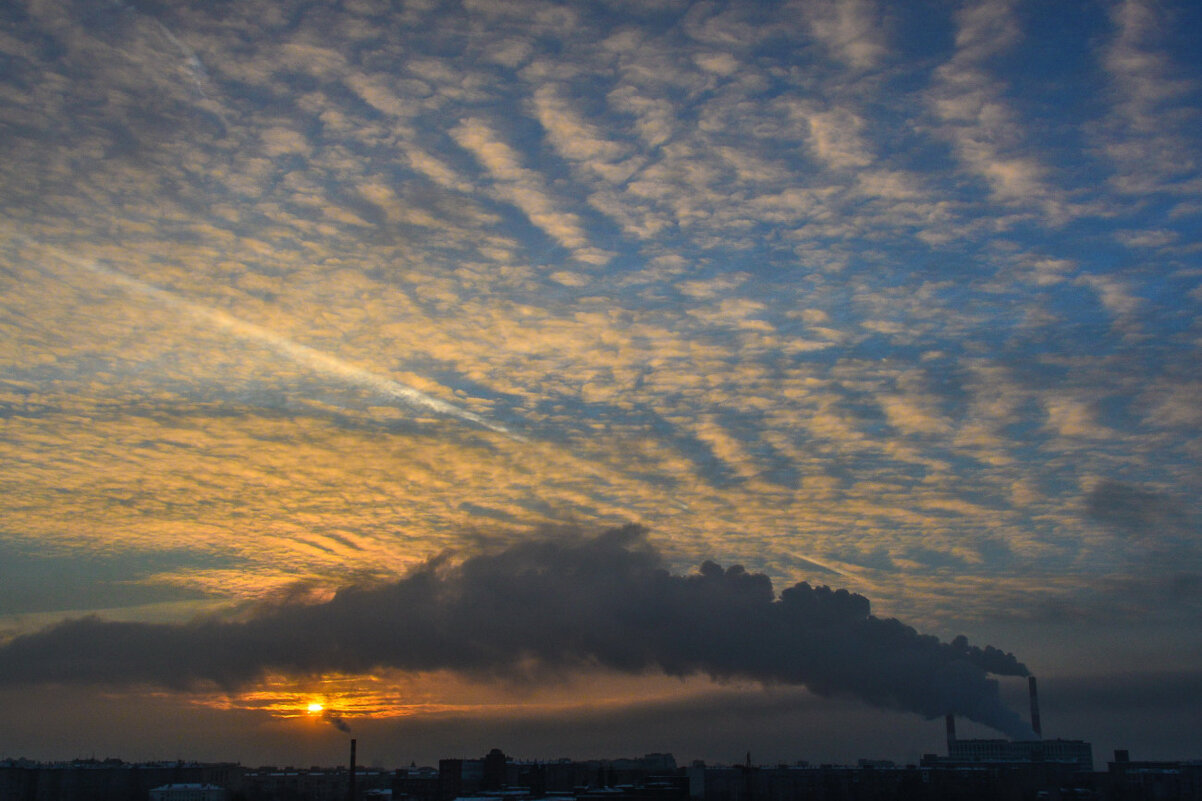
(545,606)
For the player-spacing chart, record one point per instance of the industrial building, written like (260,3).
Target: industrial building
(189,791)
(1072,754)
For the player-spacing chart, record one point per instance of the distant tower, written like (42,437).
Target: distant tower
(1034,707)
(950,722)
(351,787)
(495,777)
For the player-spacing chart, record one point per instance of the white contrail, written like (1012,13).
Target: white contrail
(303,354)
(195,69)
(192,63)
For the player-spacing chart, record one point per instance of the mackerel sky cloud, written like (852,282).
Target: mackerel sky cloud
(903,299)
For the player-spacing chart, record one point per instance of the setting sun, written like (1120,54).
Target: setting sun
(314,708)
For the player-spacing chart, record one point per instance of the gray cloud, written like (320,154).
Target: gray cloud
(1135,693)
(1137,511)
(547,606)
(1164,533)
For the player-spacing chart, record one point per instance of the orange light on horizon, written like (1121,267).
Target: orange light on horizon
(389,694)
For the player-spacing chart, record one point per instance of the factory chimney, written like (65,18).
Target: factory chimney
(950,721)
(351,787)
(1034,707)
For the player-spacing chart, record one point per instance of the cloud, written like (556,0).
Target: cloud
(986,134)
(522,187)
(742,360)
(1134,694)
(1114,295)
(572,136)
(1147,133)
(549,605)
(850,29)
(1072,417)
(1143,514)
(310,357)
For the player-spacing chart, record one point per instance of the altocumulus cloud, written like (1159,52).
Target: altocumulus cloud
(547,606)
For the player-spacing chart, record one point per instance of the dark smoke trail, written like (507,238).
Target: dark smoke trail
(557,606)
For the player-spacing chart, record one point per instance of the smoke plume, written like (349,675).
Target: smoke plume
(547,606)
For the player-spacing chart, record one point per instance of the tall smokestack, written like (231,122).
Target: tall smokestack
(351,791)
(950,722)
(1034,707)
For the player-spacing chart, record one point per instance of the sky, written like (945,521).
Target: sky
(514,374)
